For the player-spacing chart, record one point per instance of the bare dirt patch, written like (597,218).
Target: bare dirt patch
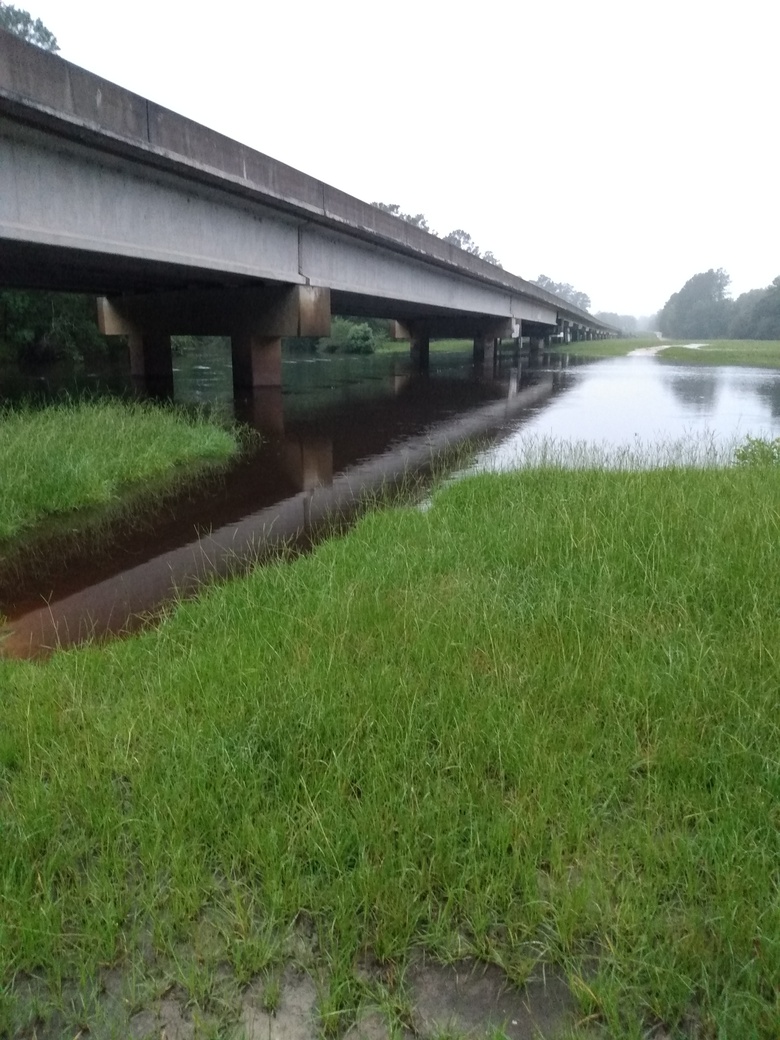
(475,999)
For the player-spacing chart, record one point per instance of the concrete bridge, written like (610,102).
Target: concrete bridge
(181,230)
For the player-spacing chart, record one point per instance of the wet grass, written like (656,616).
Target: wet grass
(605,348)
(760,353)
(69,456)
(536,721)
(437,346)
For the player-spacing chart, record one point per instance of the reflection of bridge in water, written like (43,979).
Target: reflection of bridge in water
(313,474)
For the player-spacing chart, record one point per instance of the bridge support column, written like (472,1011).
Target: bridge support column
(420,348)
(255,319)
(485,349)
(257,360)
(151,361)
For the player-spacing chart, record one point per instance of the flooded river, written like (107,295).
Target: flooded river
(341,431)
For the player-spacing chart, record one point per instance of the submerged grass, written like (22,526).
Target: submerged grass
(537,720)
(78,454)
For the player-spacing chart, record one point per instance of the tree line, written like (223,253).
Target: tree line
(702,309)
(460,238)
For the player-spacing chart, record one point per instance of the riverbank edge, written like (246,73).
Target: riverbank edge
(65,458)
(744,353)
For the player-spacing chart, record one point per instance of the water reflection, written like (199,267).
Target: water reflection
(696,390)
(341,430)
(326,449)
(627,400)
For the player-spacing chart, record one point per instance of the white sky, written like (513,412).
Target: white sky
(619,147)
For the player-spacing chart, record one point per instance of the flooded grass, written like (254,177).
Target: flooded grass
(69,456)
(535,723)
(606,348)
(758,353)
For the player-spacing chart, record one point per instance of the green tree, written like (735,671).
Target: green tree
(565,291)
(756,314)
(460,238)
(40,326)
(627,323)
(21,23)
(463,240)
(418,219)
(701,309)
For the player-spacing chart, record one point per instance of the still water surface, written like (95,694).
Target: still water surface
(340,431)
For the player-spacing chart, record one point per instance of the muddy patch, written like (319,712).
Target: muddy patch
(473,999)
(281,1010)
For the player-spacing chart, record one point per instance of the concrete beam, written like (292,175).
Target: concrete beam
(255,319)
(279,310)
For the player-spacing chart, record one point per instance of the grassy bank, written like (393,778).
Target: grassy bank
(537,721)
(605,348)
(68,456)
(438,346)
(761,353)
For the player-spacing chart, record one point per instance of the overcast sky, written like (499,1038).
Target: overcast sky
(619,147)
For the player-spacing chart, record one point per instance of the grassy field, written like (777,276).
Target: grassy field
(761,353)
(438,346)
(607,347)
(68,456)
(536,722)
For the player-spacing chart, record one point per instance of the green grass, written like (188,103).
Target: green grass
(761,353)
(604,348)
(537,720)
(68,456)
(438,346)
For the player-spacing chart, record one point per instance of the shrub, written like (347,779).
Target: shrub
(756,451)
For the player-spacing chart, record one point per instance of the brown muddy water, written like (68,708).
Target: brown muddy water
(340,432)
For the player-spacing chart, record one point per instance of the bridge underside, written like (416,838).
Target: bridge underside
(183,231)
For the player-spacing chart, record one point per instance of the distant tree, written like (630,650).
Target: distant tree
(21,23)
(565,291)
(701,309)
(491,259)
(460,238)
(627,323)
(463,240)
(756,314)
(418,219)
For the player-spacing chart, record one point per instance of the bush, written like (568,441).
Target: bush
(37,327)
(758,452)
(360,339)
